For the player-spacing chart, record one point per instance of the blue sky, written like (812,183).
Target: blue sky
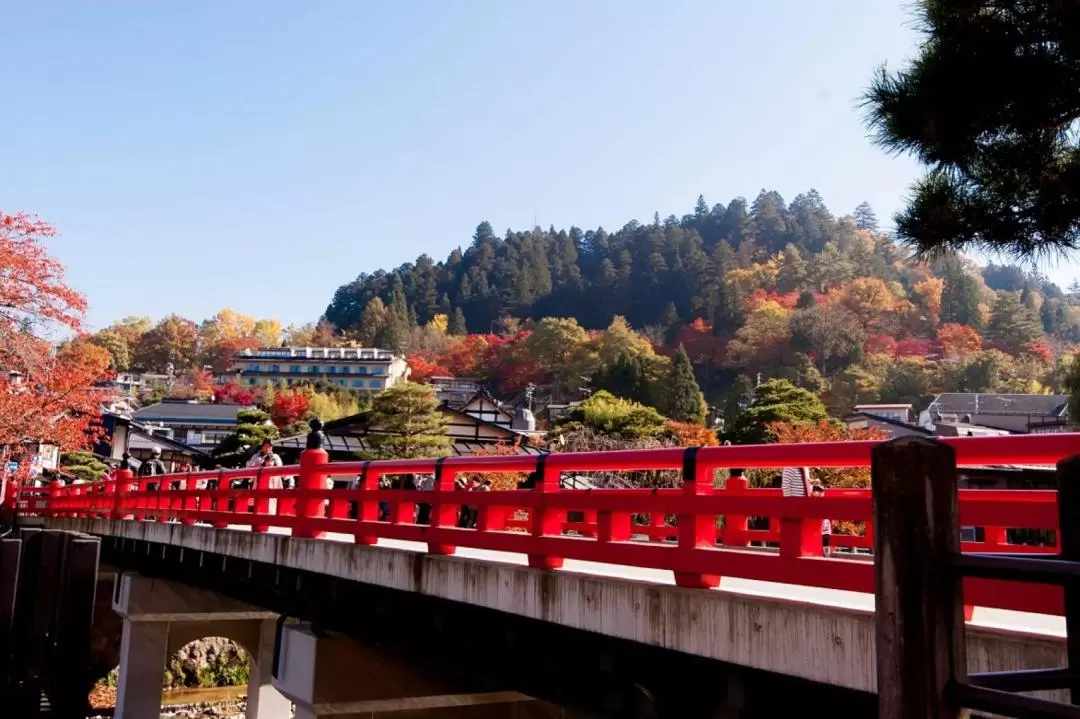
(255,155)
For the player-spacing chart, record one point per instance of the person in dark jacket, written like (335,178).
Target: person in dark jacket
(153,467)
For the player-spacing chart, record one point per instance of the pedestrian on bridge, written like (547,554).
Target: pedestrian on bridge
(153,467)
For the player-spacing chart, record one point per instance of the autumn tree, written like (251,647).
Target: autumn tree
(606,414)
(116,345)
(172,342)
(406,423)
(958,341)
(44,397)
(832,334)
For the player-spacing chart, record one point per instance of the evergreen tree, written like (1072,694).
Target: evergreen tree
(864,216)
(626,377)
(681,397)
(407,423)
(1012,326)
(253,426)
(991,105)
(960,299)
(457,323)
(776,400)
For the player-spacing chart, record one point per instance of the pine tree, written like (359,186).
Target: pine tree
(776,400)
(1012,326)
(681,397)
(990,104)
(457,323)
(960,299)
(864,216)
(406,423)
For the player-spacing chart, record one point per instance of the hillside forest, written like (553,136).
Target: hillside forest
(750,292)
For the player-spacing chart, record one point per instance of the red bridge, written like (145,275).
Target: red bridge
(573,568)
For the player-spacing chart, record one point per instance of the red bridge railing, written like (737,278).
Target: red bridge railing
(697,532)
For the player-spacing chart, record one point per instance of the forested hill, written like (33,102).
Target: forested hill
(669,272)
(635,272)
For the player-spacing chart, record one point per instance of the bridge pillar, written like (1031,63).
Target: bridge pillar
(160,617)
(330,675)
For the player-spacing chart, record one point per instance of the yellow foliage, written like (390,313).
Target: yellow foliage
(439,323)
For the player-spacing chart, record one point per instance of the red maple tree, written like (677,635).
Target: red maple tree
(288,408)
(45,395)
(232,393)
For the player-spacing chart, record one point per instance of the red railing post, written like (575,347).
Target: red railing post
(368,506)
(544,522)
(262,504)
(311,480)
(216,502)
(190,503)
(55,504)
(735,525)
(124,478)
(444,514)
(695,530)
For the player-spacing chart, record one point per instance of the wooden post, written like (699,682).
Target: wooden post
(919,603)
(1068,476)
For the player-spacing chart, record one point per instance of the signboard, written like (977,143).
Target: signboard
(12,467)
(50,457)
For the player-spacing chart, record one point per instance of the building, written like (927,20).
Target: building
(454,390)
(469,435)
(201,426)
(896,412)
(350,367)
(1015,413)
(891,428)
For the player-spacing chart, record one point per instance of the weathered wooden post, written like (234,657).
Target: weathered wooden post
(918,604)
(1068,496)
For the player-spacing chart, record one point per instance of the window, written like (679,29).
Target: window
(344,383)
(332,369)
(295,368)
(313,369)
(358,383)
(362,370)
(346,370)
(275,368)
(379,370)
(375,384)
(251,367)
(251,380)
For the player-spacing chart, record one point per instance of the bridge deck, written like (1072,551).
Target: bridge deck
(1025,623)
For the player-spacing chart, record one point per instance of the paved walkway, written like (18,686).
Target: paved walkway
(1015,622)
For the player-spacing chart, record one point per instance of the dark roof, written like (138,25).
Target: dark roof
(189,411)
(361,423)
(165,442)
(886,420)
(1048,405)
(352,443)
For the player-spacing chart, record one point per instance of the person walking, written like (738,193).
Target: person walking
(826,525)
(266,457)
(153,467)
(795,482)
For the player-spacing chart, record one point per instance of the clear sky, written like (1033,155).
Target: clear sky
(257,154)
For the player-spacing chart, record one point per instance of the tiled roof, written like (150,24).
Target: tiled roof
(351,443)
(188,411)
(1022,404)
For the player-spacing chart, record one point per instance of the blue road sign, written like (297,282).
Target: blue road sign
(12,466)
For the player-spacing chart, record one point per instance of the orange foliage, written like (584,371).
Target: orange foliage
(700,344)
(45,396)
(839,477)
(760,297)
(499,480)
(958,341)
(1038,350)
(423,369)
(689,434)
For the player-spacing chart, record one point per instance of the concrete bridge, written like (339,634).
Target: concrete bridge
(557,601)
